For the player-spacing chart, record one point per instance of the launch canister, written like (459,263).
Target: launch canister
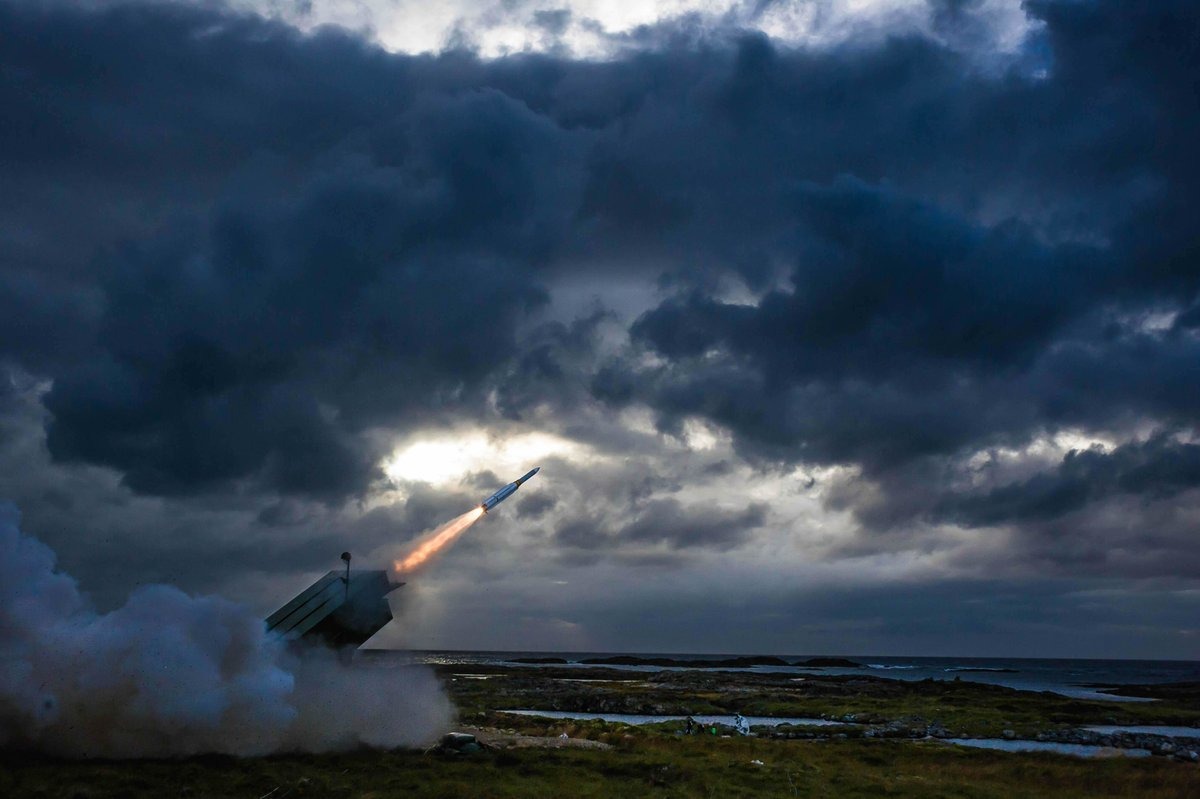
(507,491)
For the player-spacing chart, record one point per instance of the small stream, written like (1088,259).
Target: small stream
(633,718)
(1165,731)
(1079,750)
(996,744)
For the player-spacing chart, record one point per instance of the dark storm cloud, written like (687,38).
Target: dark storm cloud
(258,342)
(218,356)
(887,284)
(244,257)
(666,521)
(670,523)
(1102,377)
(259,549)
(1155,469)
(536,507)
(896,314)
(555,21)
(994,296)
(898,329)
(552,367)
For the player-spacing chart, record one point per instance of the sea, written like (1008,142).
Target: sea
(1082,679)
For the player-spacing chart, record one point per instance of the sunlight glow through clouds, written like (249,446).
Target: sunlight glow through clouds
(452,456)
(598,28)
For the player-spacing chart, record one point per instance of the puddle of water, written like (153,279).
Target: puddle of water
(1169,732)
(1079,750)
(633,718)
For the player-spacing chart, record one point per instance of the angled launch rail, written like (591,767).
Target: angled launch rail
(336,609)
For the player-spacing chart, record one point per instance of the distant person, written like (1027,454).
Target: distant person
(741,725)
(690,729)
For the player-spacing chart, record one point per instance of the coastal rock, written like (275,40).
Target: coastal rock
(1179,691)
(828,663)
(726,663)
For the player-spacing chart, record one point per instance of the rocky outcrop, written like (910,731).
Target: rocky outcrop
(726,663)
(915,728)
(828,663)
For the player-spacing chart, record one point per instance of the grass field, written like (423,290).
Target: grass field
(643,766)
(658,761)
(968,708)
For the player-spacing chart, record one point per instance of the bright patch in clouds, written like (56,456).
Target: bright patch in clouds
(451,457)
(598,28)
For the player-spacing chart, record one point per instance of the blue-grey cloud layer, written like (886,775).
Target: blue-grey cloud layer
(239,252)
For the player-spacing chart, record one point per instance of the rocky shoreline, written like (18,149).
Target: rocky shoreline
(1178,691)
(666,662)
(861,707)
(1185,749)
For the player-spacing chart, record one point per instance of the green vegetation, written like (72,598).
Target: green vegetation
(656,760)
(961,707)
(644,765)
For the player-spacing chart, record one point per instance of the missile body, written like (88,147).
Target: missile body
(507,491)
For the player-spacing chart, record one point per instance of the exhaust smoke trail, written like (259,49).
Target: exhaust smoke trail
(437,540)
(168,674)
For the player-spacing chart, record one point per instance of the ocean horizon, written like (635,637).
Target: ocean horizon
(1083,678)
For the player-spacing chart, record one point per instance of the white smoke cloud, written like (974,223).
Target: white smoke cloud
(168,674)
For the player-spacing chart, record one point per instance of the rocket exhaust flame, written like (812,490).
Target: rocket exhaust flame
(172,675)
(438,540)
(444,536)
(448,533)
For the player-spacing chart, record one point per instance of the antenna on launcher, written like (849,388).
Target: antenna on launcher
(346,579)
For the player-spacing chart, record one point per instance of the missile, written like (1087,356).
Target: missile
(507,491)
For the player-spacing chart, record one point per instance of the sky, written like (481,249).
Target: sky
(836,326)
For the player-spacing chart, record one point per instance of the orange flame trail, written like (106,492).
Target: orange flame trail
(437,540)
